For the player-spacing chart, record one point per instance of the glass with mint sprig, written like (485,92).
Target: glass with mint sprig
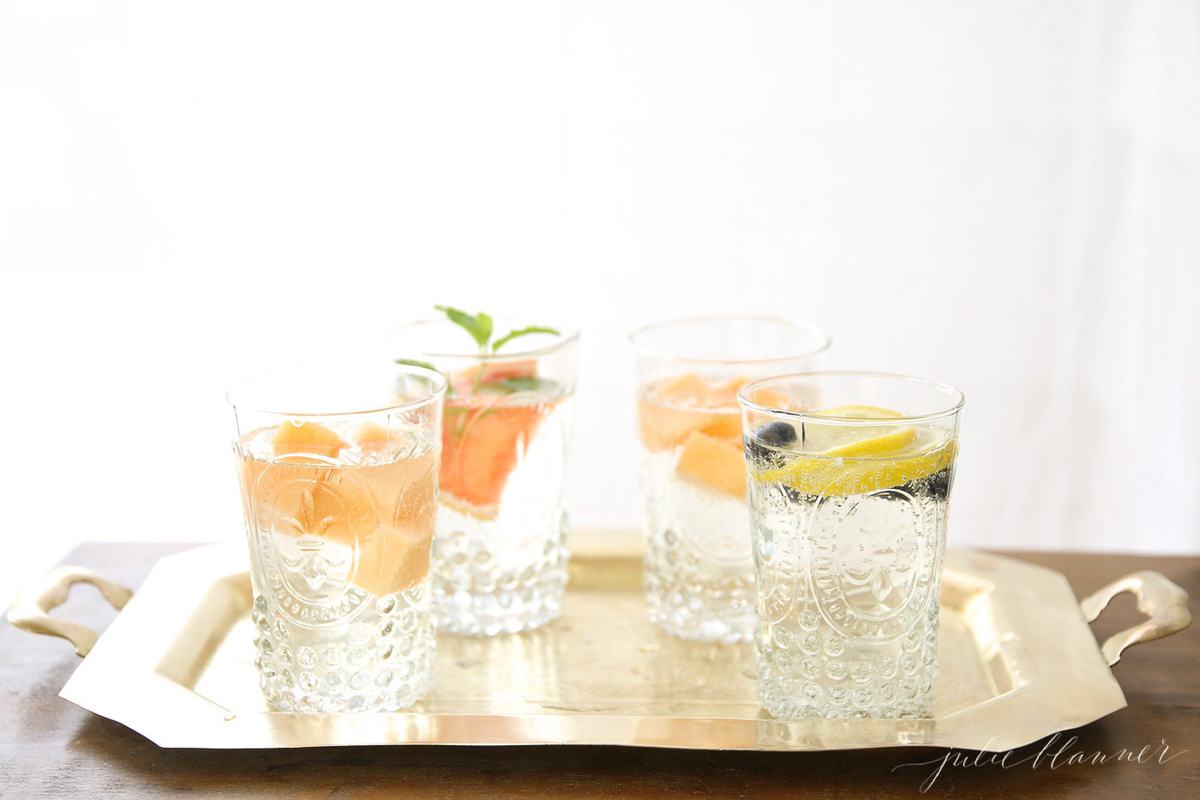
(499,554)
(480,327)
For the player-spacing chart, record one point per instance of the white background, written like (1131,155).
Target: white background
(1001,195)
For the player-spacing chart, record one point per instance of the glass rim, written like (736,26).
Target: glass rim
(959,398)
(565,336)
(812,327)
(437,380)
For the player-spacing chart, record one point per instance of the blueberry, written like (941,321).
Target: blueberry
(759,446)
(776,434)
(763,457)
(935,486)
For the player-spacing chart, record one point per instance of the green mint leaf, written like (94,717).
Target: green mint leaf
(479,326)
(527,383)
(508,337)
(410,362)
(485,328)
(523,383)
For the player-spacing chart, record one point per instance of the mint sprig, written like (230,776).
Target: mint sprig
(479,326)
(508,337)
(412,362)
(519,383)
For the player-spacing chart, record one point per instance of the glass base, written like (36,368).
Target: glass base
(381,661)
(481,589)
(699,570)
(711,611)
(902,697)
(789,708)
(373,699)
(492,613)
(701,623)
(806,669)
(704,599)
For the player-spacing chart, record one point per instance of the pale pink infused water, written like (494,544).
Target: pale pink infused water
(340,517)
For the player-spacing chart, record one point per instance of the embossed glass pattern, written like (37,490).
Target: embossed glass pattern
(340,508)
(500,554)
(699,576)
(849,478)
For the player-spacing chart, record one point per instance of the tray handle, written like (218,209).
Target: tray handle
(1157,597)
(31,611)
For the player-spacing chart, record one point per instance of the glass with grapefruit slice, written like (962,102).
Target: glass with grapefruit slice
(500,556)
(338,470)
(699,575)
(849,478)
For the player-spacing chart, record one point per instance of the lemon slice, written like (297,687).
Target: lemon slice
(851,441)
(824,475)
(893,441)
(856,412)
(849,459)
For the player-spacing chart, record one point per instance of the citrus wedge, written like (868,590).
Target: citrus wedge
(817,475)
(839,440)
(856,412)
(890,440)
(384,513)
(671,410)
(482,443)
(854,459)
(714,462)
(306,438)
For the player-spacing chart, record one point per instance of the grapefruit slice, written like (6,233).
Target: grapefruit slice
(501,370)
(669,411)
(714,462)
(483,438)
(386,512)
(465,382)
(306,438)
(395,555)
(373,436)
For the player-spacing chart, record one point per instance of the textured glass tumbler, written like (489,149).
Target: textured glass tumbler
(500,555)
(849,478)
(698,573)
(338,469)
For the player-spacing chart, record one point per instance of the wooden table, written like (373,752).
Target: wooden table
(51,748)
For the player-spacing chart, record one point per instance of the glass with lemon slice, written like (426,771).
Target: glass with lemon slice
(848,483)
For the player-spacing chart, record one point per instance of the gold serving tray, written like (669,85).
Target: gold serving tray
(1017,662)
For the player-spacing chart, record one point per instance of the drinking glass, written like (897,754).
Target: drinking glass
(338,468)
(500,555)
(849,478)
(699,575)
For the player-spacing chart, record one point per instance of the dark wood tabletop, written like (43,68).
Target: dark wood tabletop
(51,748)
